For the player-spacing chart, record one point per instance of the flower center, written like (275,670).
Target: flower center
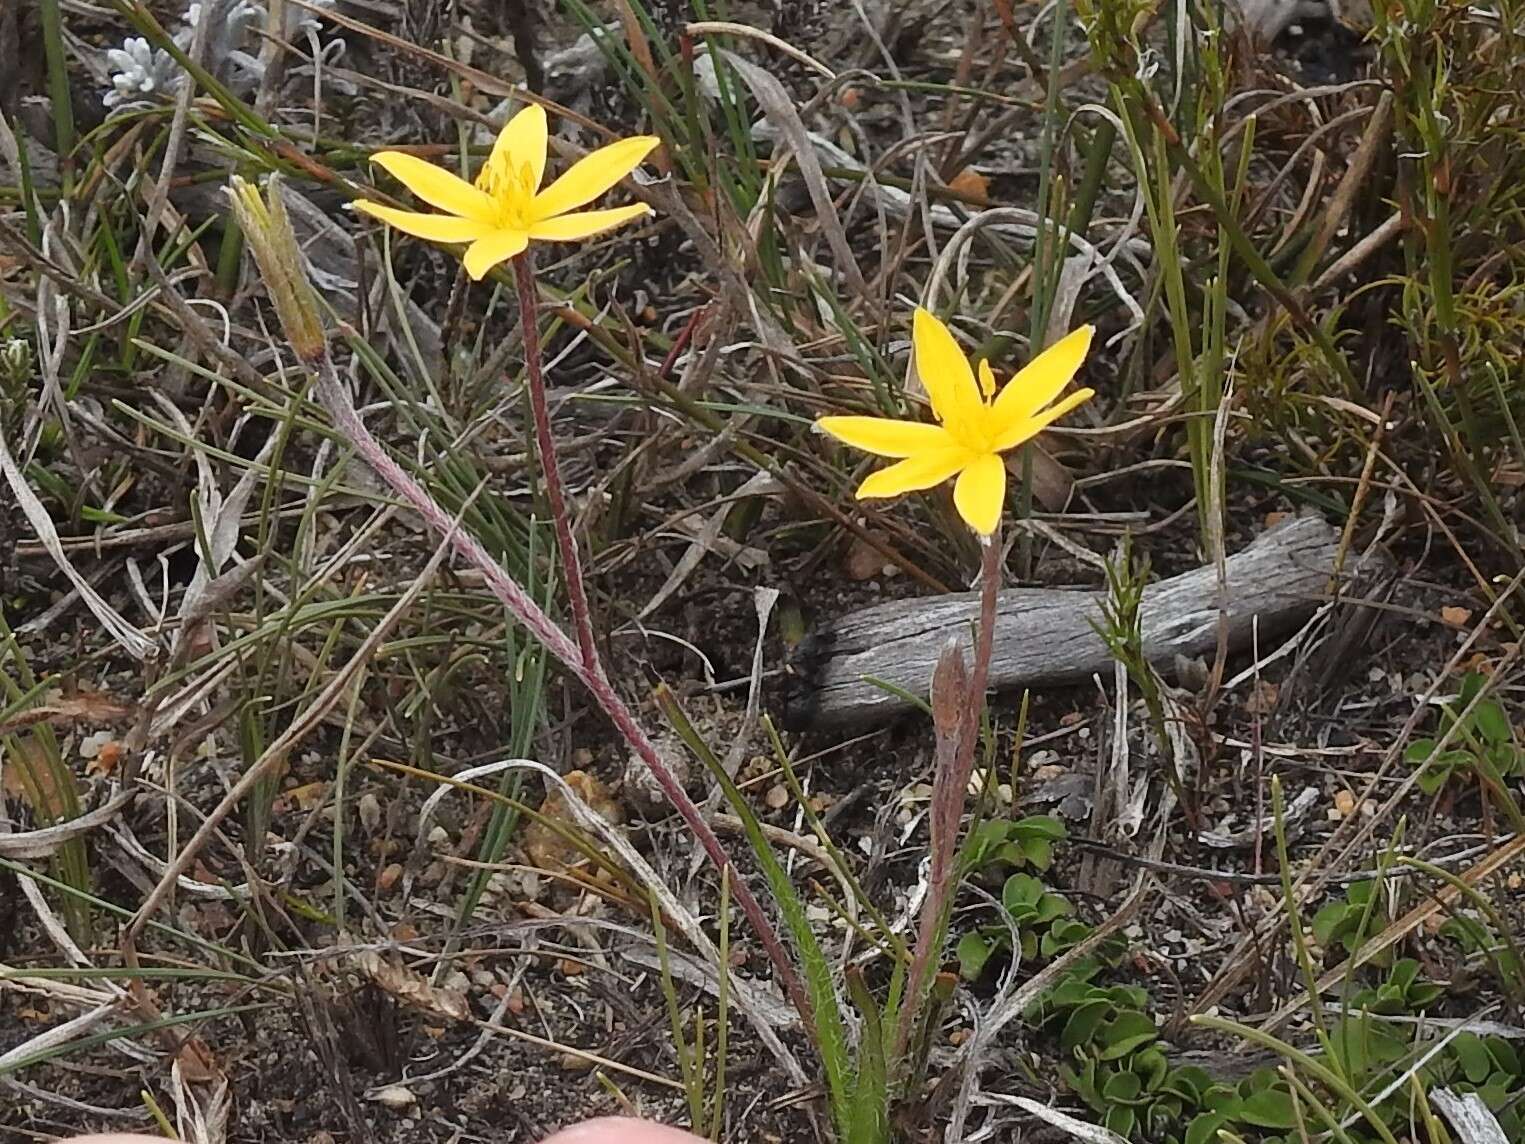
(970,427)
(511,188)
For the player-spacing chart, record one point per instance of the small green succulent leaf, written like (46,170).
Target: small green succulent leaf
(1123,1087)
(1082,1024)
(1124,1033)
(1040,826)
(1473,1056)
(1121,1119)
(973,953)
(1203,1128)
(1269,1108)
(1021,893)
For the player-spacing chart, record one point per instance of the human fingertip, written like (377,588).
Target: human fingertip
(621,1130)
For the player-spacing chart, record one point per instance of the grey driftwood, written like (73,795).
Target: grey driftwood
(1469,1116)
(1044,635)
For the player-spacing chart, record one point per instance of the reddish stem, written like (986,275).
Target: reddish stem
(990,586)
(591,673)
(680,343)
(545,441)
(956,741)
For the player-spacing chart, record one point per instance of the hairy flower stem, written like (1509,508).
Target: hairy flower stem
(591,674)
(958,700)
(545,442)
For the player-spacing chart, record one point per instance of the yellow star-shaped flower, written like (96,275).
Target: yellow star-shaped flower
(978,424)
(505,209)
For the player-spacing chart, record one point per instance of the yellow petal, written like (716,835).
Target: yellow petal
(489,250)
(945,372)
(522,142)
(592,175)
(1042,379)
(434,227)
(886,437)
(1019,431)
(980,493)
(585,224)
(436,186)
(919,472)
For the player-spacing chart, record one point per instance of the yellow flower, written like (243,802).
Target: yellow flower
(978,424)
(505,208)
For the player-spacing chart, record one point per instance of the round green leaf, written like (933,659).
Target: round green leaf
(1124,1033)
(1269,1108)
(973,952)
(1083,1023)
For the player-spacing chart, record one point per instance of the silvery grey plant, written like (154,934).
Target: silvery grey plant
(139,73)
(142,74)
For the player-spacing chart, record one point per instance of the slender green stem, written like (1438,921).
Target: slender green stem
(1312,1066)
(58,89)
(1289,896)
(1512,980)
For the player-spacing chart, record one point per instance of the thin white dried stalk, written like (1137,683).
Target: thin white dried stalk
(1078,1129)
(53,324)
(15,980)
(127,635)
(1023,223)
(1401,1081)
(778,105)
(204,891)
(1129,810)
(159,197)
(201,1108)
(45,841)
(596,824)
(56,1036)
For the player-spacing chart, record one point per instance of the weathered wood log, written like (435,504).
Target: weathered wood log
(1044,635)
(1469,1116)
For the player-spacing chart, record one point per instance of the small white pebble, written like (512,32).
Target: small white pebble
(370,811)
(396,1097)
(90,746)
